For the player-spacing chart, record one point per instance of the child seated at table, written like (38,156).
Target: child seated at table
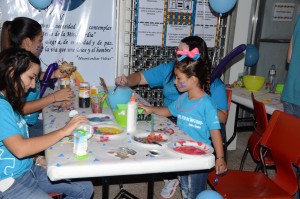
(19,176)
(193,80)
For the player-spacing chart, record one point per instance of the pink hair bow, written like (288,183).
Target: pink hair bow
(194,54)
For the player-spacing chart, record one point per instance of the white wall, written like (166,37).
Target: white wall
(240,35)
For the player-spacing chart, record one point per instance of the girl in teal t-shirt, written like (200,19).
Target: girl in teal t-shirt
(19,177)
(196,113)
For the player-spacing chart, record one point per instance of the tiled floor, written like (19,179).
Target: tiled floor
(137,186)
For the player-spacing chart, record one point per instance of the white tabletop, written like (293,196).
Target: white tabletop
(271,100)
(241,96)
(62,163)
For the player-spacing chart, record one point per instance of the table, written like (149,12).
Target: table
(62,164)
(242,97)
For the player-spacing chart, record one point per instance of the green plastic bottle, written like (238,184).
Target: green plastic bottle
(80,141)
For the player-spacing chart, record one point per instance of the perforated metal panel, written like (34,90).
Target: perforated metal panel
(145,57)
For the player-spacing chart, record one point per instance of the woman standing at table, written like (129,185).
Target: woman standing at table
(23,32)
(19,176)
(291,92)
(197,116)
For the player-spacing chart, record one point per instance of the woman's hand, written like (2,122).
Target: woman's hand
(122,80)
(73,124)
(63,95)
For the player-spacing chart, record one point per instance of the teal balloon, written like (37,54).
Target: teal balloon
(222,6)
(251,56)
(40,4)
(209,194)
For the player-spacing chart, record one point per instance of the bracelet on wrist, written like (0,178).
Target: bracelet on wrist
(218,158)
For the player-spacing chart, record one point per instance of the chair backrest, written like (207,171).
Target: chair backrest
(260,115)
(282,139)
(261,123)
(229,96)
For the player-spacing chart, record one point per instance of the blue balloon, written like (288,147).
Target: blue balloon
(222,6)
(251,56)
(209,194)
(40,4)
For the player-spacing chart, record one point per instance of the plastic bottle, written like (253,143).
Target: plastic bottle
(80,148)
(132,114)
(272,73)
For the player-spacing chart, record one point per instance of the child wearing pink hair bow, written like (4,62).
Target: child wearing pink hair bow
(197,116)
(162,76)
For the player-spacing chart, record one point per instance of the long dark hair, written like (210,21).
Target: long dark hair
(15,31)
(197,68)
(13,63)
(197,42)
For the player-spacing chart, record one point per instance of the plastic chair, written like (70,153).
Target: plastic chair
(55,195)
(281,138)
(253,146)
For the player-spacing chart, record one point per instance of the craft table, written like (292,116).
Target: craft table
(242,97)
(62,163)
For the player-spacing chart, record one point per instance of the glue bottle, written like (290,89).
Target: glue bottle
(81,135)
(132,114)
(80,147)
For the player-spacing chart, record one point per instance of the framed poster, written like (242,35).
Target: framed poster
(78,31)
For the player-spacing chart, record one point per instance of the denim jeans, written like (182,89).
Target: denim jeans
(35,184)
(292,109)
(36,129)
(192,183)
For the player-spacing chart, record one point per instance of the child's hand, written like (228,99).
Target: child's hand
(73,124)
(147,109)
(221,166)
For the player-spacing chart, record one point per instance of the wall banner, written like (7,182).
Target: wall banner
(166,22)
(78,31)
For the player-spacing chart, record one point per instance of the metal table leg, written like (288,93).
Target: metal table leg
(150,186)
(105,188)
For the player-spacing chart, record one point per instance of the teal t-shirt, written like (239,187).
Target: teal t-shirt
(291,91)
(33,94)
(11,124)
(196,117)
(159,76)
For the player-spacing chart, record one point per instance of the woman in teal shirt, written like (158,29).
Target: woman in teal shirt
(291,92)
